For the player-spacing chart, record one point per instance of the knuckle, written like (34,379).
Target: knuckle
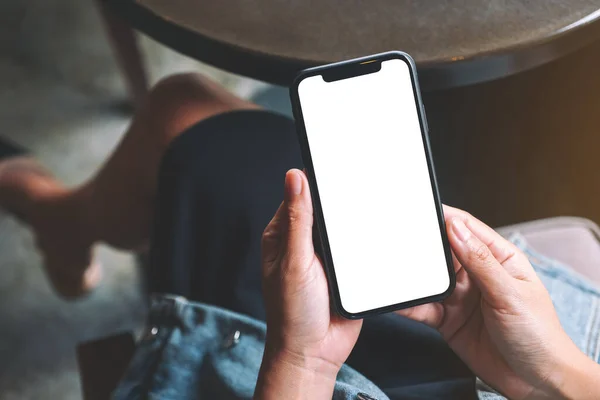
(467,217)
(269,235)
(515,256)
(298,216)
(479,251)
(270,242)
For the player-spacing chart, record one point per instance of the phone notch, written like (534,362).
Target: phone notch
(352,70)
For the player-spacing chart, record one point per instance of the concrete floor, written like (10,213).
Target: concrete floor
(59,97)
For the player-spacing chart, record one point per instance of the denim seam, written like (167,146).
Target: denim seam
(151,371)
(177,307)
(594,334)
(589,326)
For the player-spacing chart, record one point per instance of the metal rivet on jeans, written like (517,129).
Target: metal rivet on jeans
(150,333)
(232,339)
(364,396)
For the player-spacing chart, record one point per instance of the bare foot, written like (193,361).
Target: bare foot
(29,192)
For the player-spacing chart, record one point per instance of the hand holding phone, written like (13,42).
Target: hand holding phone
(303,336)
(500,319)
(501,322)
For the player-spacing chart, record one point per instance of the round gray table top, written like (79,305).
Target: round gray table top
(454,42)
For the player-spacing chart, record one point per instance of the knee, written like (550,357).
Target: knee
(178,102)
(182,86)
(180,92)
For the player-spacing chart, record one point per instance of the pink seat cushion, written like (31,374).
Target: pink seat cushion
(570,240)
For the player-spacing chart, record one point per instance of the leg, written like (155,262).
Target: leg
(219,185)
(125,187)
(124,43)
(115,206)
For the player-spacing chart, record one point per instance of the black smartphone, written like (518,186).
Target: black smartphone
(363,136)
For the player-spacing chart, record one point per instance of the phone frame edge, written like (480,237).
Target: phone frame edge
(316,200)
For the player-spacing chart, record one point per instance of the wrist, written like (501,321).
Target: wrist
(575,377)
(290,375)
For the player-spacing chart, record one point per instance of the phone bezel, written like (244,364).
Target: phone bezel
(316,200)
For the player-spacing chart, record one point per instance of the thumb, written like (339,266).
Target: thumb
(300,216)
(483,268)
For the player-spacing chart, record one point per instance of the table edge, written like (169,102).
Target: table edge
(433,75)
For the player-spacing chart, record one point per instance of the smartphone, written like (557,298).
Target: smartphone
(380,223)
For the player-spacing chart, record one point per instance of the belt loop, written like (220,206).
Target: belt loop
(169,308)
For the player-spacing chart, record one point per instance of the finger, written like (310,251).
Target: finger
(507,254)
(272,237)
(486,234)
(479,262)
(456,263)
(299,212)
(430,314)
(458,308)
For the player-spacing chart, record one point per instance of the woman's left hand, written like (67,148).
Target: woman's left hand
(306,342)
(501,322)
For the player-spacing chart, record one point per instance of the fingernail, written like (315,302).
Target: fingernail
(460,230)
(294,183)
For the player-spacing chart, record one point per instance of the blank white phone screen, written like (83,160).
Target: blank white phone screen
(371,171)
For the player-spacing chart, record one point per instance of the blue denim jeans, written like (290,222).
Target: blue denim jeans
(197,351)
(191,350)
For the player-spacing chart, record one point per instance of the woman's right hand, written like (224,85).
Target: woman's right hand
(501,322)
